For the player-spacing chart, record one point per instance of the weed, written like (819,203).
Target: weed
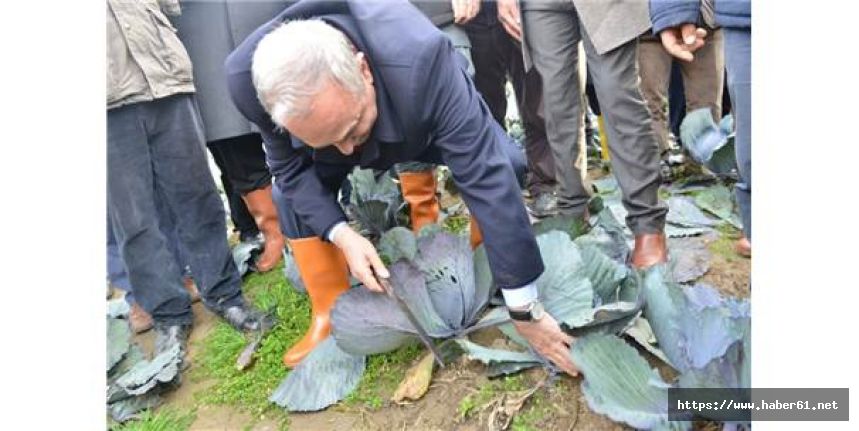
(456,224)
(724,244)
(384,372)
(473,402)
(163,419)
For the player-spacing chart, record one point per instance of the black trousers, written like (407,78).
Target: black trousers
(496,55)
(241,161)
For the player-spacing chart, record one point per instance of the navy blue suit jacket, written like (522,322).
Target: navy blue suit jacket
(428,109)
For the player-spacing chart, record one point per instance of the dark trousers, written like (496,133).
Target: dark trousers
(496,56)
(157,149)
(553,37)
(738,62)
(241,161)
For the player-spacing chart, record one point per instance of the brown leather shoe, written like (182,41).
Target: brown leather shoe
(743,247)
(261,206)
(139,319)
(650,249)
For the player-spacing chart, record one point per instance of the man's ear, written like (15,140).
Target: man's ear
(364,65)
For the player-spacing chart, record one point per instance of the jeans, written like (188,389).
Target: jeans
(738,62)
(155,151)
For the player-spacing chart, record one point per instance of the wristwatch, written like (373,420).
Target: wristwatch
(532,313)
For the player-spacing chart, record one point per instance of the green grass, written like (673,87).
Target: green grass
(456,224)
(724,245)
(163,419)
(533,414)
(249,390)
(383,374)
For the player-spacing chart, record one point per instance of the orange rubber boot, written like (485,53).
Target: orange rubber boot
(474,236)
(419,191)
(325,274)
(261,206)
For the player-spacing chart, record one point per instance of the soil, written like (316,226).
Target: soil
(557,406)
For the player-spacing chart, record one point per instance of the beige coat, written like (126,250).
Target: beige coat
(145,59)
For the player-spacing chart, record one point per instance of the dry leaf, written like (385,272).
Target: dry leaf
(416,382)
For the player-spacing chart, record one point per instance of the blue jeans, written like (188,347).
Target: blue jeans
(738,62)
(155,151)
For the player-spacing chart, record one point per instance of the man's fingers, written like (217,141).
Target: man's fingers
(378,266)
(508,14)
(512,28)
(370,281)
(689,34)
(672,44)
(561,358)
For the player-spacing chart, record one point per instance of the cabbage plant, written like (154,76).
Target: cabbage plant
(448,289)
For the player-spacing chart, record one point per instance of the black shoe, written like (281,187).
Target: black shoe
(246,319)
(167,335)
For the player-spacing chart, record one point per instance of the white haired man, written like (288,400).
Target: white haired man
(373,84)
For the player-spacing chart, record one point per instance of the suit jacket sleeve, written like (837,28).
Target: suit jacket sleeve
(470,142)
(292,168)
(671,13)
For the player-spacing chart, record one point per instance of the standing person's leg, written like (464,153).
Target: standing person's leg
(495,55)
(528,87)
(702,78)
(655,68)
(321,264)
(242,219)
(553,37)
(248,175)
(738,61)
(490,67)
(634,151)
(152,268)
(182,177)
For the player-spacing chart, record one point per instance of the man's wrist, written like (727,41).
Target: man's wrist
(332,233)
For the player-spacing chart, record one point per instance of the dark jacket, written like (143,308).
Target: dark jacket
(670,13)
(428,110)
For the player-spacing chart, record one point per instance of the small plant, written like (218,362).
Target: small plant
(163,419)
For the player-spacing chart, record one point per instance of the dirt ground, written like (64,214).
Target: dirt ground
(558,406)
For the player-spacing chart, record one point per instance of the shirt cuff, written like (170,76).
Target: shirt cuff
(520,297)
(333,231)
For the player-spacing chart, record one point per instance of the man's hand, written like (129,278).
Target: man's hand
(511,19)
(364,262)
(465,10)
(683,40)
(547,338)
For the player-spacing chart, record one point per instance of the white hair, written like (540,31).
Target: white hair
(291,64)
